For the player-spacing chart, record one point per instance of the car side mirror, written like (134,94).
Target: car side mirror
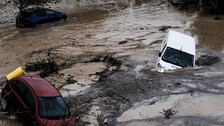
(160,54)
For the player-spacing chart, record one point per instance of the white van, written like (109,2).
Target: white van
(177,51)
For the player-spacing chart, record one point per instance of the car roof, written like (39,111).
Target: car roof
(181,42)
(40,86)
(33,10)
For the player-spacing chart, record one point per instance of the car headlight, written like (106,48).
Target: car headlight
(160,68)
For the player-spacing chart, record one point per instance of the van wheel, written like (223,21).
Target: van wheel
(4,105)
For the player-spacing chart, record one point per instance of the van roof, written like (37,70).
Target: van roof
(181,42)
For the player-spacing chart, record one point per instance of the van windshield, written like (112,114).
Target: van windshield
(52,108)
(178,57)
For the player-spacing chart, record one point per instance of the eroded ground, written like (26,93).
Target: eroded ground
(106,53)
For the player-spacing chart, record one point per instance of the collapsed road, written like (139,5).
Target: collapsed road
(105,55)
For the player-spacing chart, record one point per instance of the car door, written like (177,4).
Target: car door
(23,103)
(41,16)
(30,102)
(52,15)
(15,97)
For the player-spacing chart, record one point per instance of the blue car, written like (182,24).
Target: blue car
(33,16)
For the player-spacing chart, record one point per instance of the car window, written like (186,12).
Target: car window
(26,15)
(52,107)
(24,94)
(29,100)
(50,12)
(40,12)
(178,57)
(19,88)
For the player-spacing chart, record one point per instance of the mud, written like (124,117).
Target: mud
(206,60)
(107,53)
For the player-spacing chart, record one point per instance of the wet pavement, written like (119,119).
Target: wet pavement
(133,93)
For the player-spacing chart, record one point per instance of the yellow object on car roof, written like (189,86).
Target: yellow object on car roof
(17,72)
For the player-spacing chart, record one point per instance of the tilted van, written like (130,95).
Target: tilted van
(177,51)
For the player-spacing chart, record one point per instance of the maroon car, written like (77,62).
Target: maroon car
(35,102)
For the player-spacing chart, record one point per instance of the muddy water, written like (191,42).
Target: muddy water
(96,30)
(209,32)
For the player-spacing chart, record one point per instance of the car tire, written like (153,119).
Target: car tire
(18,23)
(4,104)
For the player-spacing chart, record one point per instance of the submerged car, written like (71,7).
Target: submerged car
(33,16)
(35,101)
(177,51)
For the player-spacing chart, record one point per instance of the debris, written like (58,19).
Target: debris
(177,84)
(217,17)
(107,59)
(100,118)
(192,92)
(96,59)
(168,113)
(152,103)
(46,67)
(111,60)
(122,42)
(164,28)
(70,79)
(17,72)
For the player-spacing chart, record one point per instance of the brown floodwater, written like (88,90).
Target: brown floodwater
(97,28)
(209,32)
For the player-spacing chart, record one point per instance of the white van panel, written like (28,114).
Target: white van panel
(181,42)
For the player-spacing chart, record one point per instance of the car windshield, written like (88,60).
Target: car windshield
(178,57)
(52,108)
